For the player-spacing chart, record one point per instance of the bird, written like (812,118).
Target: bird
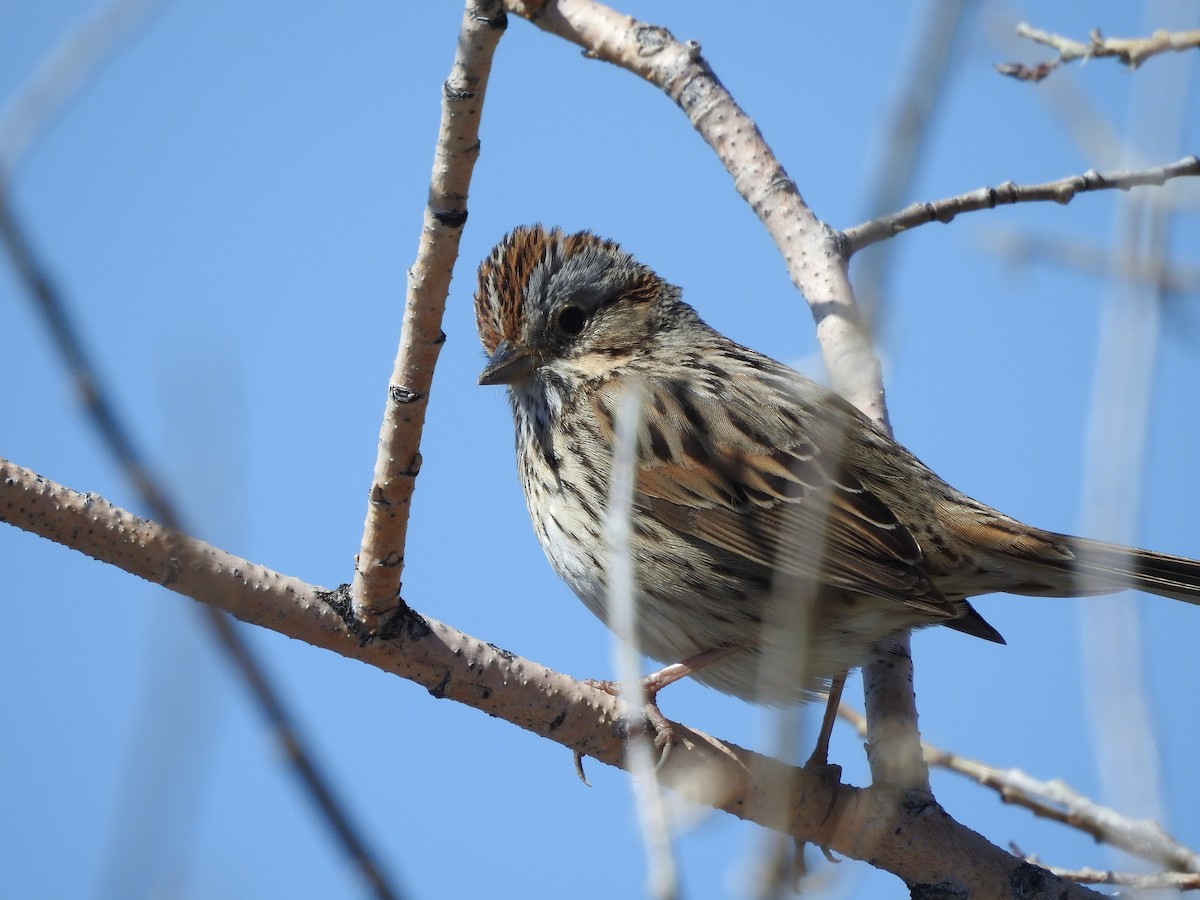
(779,538)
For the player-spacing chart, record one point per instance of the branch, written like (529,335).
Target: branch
(375,591)
(808,246)
(1131,51)
(1162,881)
(901,831)
(816,262)
(1062,191)
(1056,800)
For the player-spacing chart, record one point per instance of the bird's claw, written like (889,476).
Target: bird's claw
(652,719)
(579,768)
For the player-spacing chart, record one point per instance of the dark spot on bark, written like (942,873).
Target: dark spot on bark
(1027,880)
(439,690)
(451,218)
(943,890)
(506,654)
(401,394)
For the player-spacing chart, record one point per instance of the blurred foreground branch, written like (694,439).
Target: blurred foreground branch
(115,437)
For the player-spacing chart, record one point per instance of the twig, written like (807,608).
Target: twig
(380,561)
(1057,801)
(901,831)
(1176,881)
(116,438)
(1131,51)
(1062,191)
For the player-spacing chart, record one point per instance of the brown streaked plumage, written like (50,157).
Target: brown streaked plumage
(754,484)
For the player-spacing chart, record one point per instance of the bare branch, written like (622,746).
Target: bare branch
(1058,801)
(380,561)
(1062,191)
(902,831)
(1131,51)
(807,244)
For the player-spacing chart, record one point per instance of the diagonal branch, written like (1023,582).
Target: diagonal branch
(808,246)
(901,831)
(1062,191)
(1058,801)
(1161,881)
(380,561)
(65,71)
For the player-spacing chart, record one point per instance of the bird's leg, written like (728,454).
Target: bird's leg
(664,731)
(820,754)
(656,681)
(818,763)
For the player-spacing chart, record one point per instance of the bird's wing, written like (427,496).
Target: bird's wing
(767,483)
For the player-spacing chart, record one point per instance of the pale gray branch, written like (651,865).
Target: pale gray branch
(816,263)
(1063,190)
(901,831)
(379,565)
(65,71)
(1058,801)
(1162,881)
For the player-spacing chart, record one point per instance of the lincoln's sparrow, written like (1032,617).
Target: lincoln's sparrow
(753,483)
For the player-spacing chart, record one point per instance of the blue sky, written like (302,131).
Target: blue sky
(230,206)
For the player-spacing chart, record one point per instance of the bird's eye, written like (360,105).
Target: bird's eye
(571,320)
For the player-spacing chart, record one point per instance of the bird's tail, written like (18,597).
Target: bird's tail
(1099,567)
(1018,559)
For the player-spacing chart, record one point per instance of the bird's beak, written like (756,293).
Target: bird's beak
(507,365)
